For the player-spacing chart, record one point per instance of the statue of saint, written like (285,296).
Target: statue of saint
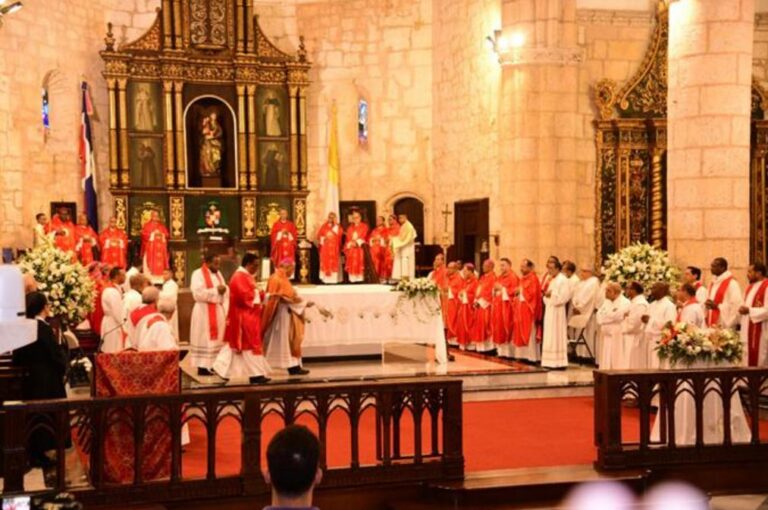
(211,146)
(144,118)
(271,112)
(150,177)
(273,167)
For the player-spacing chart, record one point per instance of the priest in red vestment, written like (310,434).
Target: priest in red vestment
(526,309)
(380,249)
(64,231)
(283,240)
(501,311)
(86,240)
(329,242)
(154,248)
(453,302)
(357,236)
(243,352)
(114,245)
(481,335)
(466,318)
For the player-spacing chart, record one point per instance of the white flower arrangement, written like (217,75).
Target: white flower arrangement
(642,263)
(682,343)
(418,287)
(66,284)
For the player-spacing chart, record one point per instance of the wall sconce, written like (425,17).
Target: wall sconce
(8,9)
(505,44)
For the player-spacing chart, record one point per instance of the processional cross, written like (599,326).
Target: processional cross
(445,241)
(445,212)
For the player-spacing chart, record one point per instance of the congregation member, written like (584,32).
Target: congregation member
(156,333)
(40,231)
(154,248)
(170,290)
(63,230)
(404,250)
(504,289)
(284,238)
(86,240)
(137,321)
(724,296)
(632,329)
(379,244)
(689,310)
(113,243)
(526,307)
(582,312)
(455,283)
(293,468)
(354,253)
(554,343)
(610,317)
(661,311)
(466,319)
(481,335)
(329,247)
(282,325)
(753,317)
(692,275)
(209,314)
(242,355)
(112,335)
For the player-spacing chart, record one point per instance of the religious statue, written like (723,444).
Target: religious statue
(144,108)
(211,146)
(271,114)
(150,176)
(272,162)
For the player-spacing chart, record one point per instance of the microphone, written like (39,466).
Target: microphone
(103,335)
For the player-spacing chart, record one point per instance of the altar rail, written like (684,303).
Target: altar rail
(433,404)
(659,390)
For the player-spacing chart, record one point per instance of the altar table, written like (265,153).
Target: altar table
(362,318)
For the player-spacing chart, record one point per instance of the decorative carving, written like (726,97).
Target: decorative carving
(759,100)
(611,17)
(248,222)
(177,217)
(179,265)
(120,208)
(300,216)
(525,56)
(109,40)
(268,214)
(301,53)
(208,23)
(604,95)
(150,41)
(265,49)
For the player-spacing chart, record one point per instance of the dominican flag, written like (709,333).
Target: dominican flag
(87,161)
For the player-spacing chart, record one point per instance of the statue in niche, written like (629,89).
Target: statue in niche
(146,167)
(144,108)
(273,167)
(211,146)
(271,111)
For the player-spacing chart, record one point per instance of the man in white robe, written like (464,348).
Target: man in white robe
(583,307)
(209,314)
(689,310)
(554,343)
(404,250)
(137,320)
(610,317)
(724,297)
(632,329)
(692,275)
(157,332)
(170,290)
(661,311)
(132,271)
(114,313)
(132,301)
(754,317)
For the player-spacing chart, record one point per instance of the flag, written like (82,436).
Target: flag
(332,189)
(86,159)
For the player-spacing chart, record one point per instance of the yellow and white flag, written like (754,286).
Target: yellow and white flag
(332,186)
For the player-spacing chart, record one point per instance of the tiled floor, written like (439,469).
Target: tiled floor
(742,502)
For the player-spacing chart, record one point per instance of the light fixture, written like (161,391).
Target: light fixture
(517,40)
(8,9)
(492,41)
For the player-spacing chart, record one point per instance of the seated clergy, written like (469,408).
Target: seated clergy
(157,333)
(633,355)
(610,317)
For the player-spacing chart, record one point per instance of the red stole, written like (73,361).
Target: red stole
(755,328)
(213,324)
(691,301)
(154,320)
(142,312)
(713,316)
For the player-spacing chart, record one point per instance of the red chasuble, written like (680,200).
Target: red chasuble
(243,331)
(501,311)
(481,330)
(330,248)
(95,317)
(65,233)
(283,240)
(114,247)
(713,316)
(453,304)
(154,246)
(353,250)
(755,328)
(85,241)
(379,243)
(466,319)
(526,309)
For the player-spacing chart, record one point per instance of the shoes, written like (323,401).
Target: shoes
(297,370)
(259,379)
(204,371)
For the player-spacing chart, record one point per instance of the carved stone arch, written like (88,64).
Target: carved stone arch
(63,105)
(422,224)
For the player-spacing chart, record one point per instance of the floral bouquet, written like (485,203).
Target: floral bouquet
(641,263)
(66,284)
(682,343)
(418,287)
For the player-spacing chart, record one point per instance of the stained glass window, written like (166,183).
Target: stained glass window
(362,121)
(46,118)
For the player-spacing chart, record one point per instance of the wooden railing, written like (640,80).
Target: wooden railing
(688,400)
(431,407)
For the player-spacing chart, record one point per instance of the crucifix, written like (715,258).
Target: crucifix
(445,241)
(445,212)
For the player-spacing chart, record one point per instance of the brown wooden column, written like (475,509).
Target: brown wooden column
(177,24)
(250,28)
(302,138)
(181,171)
(114,166)
(253,164)
(242,148)
(241,23)
(125,173)
(170,160)
(167,24)
(294,140)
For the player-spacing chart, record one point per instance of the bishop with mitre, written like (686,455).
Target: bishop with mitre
(283,240)
(114,245)
(329,241)
(357,236)
(154,248)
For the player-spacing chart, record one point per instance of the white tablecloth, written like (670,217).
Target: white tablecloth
(369,315)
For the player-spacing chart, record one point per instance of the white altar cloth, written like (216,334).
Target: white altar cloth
(365,317)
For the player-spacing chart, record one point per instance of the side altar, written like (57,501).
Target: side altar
(207,126)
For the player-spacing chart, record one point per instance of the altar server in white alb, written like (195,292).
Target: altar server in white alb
(660,311)
(632,329)
(170,290)
(206,331)
(404,250)
(583,307)
(114,314)
(724,297)
(689,310)
(610,317)
(554,344)
(754,317)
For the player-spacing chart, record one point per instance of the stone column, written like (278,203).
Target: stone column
(538,119)
(710,74)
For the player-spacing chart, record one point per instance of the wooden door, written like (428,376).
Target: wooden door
(471,230)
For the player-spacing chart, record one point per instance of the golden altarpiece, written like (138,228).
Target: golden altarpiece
(631,142)
(207,125)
